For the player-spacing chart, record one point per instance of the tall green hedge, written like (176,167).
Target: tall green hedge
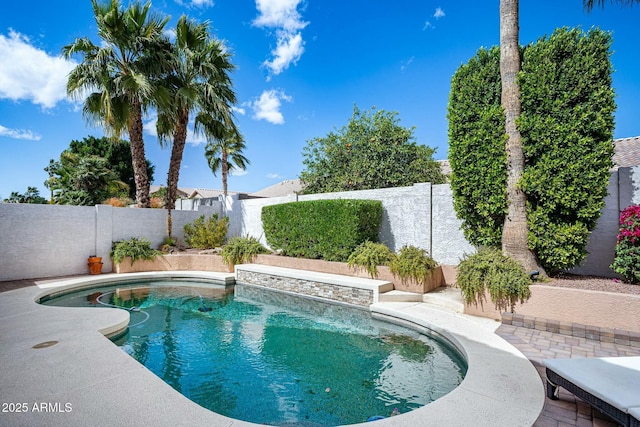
(327,229)
(567,128)
(477,148)
(567,131)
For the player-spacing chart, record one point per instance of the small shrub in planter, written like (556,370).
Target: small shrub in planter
(504,278)
(241,250)
(135,248)
(206,233)
(412,264)
(369,255)
(627,257)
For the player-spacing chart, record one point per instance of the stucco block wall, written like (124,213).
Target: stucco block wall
(55,240)
(44,240)
(449,243)
(62,237)
(623,191)
(406,213)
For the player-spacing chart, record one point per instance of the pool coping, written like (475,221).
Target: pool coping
(104,386)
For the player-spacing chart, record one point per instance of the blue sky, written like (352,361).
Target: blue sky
(301,67)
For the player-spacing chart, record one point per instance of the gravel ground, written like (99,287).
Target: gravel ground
(593,283)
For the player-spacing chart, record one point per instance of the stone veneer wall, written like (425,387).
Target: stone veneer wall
(345,294)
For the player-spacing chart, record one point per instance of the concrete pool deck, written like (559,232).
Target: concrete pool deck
(84,379)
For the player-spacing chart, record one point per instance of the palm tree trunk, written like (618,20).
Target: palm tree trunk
(515,230)
(179,141)
(225,171)
(138,157)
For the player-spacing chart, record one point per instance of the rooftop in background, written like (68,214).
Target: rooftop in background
(627,152)
(284,188)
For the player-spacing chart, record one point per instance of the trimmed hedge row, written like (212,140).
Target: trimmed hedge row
(327,229)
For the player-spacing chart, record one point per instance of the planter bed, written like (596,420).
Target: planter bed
(210,262)
(604,316)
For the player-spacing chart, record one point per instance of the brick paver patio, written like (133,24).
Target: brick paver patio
(537,345)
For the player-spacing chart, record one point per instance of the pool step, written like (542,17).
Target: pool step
(445,297)
(399,296)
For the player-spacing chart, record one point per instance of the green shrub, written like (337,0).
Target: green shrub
(412,264)
(567,127)
(241,250)
(206,233)
(627,258)
(369,255)
(328,229)
(136,248)
(503,277)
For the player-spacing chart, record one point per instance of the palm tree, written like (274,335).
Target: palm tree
(199,80)
(118,75)
(589,4)
(515,230)
(224,152)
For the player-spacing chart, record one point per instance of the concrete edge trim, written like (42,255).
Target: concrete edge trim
(484,393)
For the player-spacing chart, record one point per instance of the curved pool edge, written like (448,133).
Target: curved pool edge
(501,386)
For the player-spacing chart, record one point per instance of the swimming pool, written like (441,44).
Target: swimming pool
(268,357)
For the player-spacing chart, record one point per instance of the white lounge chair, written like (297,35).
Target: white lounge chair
(610,384)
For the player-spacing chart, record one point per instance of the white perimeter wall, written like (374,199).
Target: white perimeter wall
(53,240)
(50,240)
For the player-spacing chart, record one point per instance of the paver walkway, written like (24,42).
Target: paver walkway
(538,345)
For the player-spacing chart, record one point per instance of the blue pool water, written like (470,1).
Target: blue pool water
(273,358)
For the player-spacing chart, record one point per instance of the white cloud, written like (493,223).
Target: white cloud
(196,3)
(30,73)
(283,16)
(239,110)
(279,14)
(238,172)
(19,134)
(406,63)
(267,106)
(289,49)
(428,25)
(273,176)
(149,127)
(439,13)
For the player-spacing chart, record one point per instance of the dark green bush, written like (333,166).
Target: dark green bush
(136,248)
(412,264)
(369,256)
(567,131)
(327,229)
(241,250)
(206,233)
(503,277)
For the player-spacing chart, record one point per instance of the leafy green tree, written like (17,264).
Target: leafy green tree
(199,81)
(84,180)
(32,195)
(119,74)
(567,130)
(371,151)
(224,153)
(118,156)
